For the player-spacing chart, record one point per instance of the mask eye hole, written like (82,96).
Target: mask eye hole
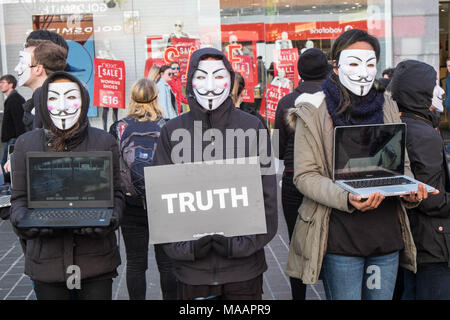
(52,99)
(71,97)
(200,77)
(371,65)
(219,77)
(353,64)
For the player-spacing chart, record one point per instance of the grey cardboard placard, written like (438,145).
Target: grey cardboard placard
(188,201)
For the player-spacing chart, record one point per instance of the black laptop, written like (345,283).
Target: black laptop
(69,189)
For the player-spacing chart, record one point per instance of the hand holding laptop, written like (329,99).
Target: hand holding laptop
(375,199)
(422,193)
(371,203)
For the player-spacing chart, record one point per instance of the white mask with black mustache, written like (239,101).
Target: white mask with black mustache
(211,83)
(357,70)
(64,104)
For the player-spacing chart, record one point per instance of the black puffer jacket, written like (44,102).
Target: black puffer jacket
(286,132)
(247,259)
(47,258)
(412,88)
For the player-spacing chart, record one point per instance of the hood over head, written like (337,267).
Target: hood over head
(74,134)
(412,87)
(194,61)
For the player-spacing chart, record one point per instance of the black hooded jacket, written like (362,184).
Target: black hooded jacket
(247,259)
(412,88)
(47,258)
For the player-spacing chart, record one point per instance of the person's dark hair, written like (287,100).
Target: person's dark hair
(343,42)
(238,87)
(50,55)
(389,72)
(350,37)
(163,69)
(10,79)
(48,35)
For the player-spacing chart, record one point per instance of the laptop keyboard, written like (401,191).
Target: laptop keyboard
(60,214)
(378,182)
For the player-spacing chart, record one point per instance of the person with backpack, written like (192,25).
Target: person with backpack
(138,134)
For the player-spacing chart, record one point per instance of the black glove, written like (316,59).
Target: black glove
(5,212)
(31,233)
(98,232)
(222,245)
(202,247)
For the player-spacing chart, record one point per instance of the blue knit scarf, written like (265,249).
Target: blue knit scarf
(367,109)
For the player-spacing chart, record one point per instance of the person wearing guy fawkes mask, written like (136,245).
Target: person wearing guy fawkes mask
(341,236)
(414,87)
(49,252)
(217,267)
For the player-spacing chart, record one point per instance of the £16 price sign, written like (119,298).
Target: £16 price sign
(109,85)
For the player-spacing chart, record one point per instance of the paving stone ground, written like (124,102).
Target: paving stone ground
(14,285)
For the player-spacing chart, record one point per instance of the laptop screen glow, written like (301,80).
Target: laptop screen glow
(369,151)
(70,179)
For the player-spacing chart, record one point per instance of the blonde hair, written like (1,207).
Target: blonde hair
(153,74)
(238,87)
(144,101)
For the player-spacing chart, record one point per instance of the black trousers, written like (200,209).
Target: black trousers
(134,227)
(90,290)
(291,200)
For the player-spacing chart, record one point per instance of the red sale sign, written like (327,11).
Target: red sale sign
(286,59)
(109,85)
(273,96)
(245,67)
(181,52)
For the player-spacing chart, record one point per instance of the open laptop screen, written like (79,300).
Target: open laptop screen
(369,151)
(69,179)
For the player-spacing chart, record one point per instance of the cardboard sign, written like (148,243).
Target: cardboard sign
(109,86)
(287,60)
(188,201)
(273,96)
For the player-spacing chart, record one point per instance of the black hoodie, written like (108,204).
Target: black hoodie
(47,258)
(247,259)
(412,88)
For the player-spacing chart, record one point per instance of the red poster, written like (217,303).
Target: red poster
(287,59)
(246,69)
(109,85)
(273,96)
(181,51)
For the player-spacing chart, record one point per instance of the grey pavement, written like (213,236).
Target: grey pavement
(14,285)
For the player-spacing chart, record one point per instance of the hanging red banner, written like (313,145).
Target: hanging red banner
(287,59)
(181,52)
(245,68)
(273,96)
(109,84)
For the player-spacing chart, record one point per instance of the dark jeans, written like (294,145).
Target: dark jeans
(433,282)
(134,227)
(105,117)
(291,200)
(90,290)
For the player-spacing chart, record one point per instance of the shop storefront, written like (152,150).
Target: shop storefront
(263,38)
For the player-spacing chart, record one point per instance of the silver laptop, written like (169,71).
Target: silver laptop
(371,158)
